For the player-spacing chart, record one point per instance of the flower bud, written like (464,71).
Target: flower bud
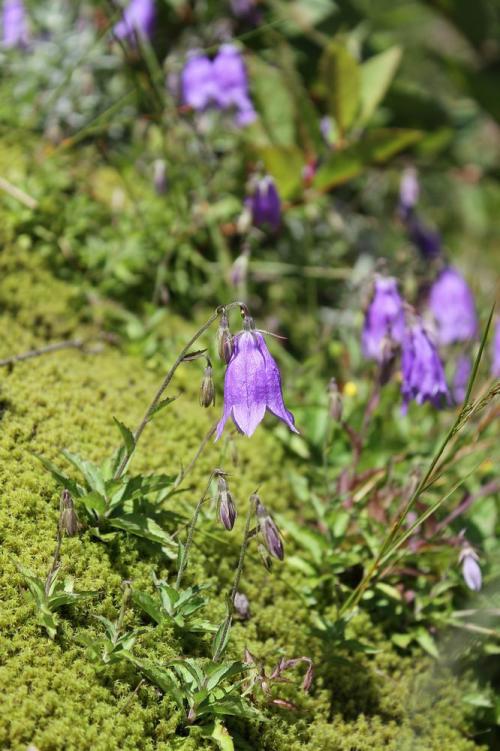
(207,390)
(269,531)
(470,568)
(224,339)
(335,401)
(242,606)
(68,519)
(225,503)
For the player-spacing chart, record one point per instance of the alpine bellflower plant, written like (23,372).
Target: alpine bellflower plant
(384,320)
(14,24)
(138,19)
(423,376)
(252,384)
(452,305)
(265,204)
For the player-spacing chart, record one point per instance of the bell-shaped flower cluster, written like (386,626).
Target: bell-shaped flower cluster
(423,377)
(138,20)
(265,204)
(384,319)
(14,24)
(221,82)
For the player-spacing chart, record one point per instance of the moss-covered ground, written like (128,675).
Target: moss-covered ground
(52,695)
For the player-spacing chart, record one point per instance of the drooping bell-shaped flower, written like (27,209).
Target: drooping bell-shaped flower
(470,568)
(384,319)
(495,354)
(232,84)
(265,204)
(252,384)
(138,19)
(452,305)
(423,376)
(199,87)
(14,24)
(461,377)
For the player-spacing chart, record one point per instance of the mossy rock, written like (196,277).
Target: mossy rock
(52,696)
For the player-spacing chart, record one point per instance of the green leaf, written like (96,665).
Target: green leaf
(94,501)
(218,673)
(274,102)
(341,79)
(285,165)
(143,526)
(89,470)
(59,476)
(376,76)
(148,604)
(161,405)
(221,639)
(219,734)
(127,435)
(376,147)
(427,643)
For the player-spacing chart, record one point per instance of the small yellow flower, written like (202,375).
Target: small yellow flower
(350,388)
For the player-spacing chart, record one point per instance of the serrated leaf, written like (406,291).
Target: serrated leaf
(161,405)
(127,435)
(221,639)
(94,501)
(91,472)
(341,79)
(376,77)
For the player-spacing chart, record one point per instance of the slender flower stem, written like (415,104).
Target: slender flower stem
(185,552)
(236,582)
(56,347)
(56,561)
(166,381)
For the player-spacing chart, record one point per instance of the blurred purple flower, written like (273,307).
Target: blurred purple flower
(265,204)
(14,24)
(199,87)
(461,378)
(470,568)
(427,240)
(232,84)
(409,191)
(384,319)
(252,384)
(422,370)
(452,305)
(138,19)
(495,359)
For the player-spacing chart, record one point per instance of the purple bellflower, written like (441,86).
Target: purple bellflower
(422,370)
(14,25)
(221,83)
(470,568)
(232,84)
(384,319)
(495,358)
(461,377)
(452,305)
(138,19)
(199,87)
(265,204)
(252,384)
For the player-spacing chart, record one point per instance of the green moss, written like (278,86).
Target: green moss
(53,696)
